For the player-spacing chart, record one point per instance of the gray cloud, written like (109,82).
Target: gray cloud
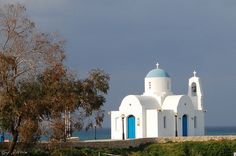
(127,38)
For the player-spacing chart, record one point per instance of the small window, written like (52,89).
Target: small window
(164,121)
(194,89)
(150,85)
(195,121)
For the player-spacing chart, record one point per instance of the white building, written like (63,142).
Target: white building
(158,112)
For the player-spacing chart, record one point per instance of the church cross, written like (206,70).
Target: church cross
(194,73)
(157,65)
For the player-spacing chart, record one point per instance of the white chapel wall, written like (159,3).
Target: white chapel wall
(185,107)
(167,128)
(116,125)
(200,125)
(151,123)
(131,106)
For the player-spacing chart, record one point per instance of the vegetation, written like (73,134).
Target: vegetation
(36,88)
(209,148)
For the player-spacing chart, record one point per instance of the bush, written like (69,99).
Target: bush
(208,148)
(74,152)
(38,152)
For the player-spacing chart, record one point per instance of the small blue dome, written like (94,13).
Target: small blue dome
(157,73)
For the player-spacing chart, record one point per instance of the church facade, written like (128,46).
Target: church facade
(158,112)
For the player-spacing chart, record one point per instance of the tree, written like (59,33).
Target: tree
(35,85)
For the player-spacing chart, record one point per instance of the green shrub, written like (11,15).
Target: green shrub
(38,152)
(188,148)
(73,152)
(154,149)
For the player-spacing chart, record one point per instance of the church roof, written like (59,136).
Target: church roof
(147,102)
(172,102)
(158,73)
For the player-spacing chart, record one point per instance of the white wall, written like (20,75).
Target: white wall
(135,105)
(200,129)
(185,106)
(159,86)
(151,123)
(116,125)
(170,123)
(131,106)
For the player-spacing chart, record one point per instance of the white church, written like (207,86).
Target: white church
(159,112)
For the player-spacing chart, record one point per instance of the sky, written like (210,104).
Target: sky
(126,38)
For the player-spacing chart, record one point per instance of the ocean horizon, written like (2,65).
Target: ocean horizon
(105,133)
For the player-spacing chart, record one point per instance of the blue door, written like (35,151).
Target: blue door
(131,127)
(185,125)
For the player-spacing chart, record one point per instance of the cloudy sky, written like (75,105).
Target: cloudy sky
(127,38)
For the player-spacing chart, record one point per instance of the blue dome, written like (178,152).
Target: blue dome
(157,73)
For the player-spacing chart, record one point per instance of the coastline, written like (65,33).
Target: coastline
(167,146)
(105,133)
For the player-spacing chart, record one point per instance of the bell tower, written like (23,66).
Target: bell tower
(195,91)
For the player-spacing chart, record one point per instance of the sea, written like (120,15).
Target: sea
(105,133)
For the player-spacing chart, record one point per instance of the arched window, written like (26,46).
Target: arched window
(195,121)
(164,121)
(194,89)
